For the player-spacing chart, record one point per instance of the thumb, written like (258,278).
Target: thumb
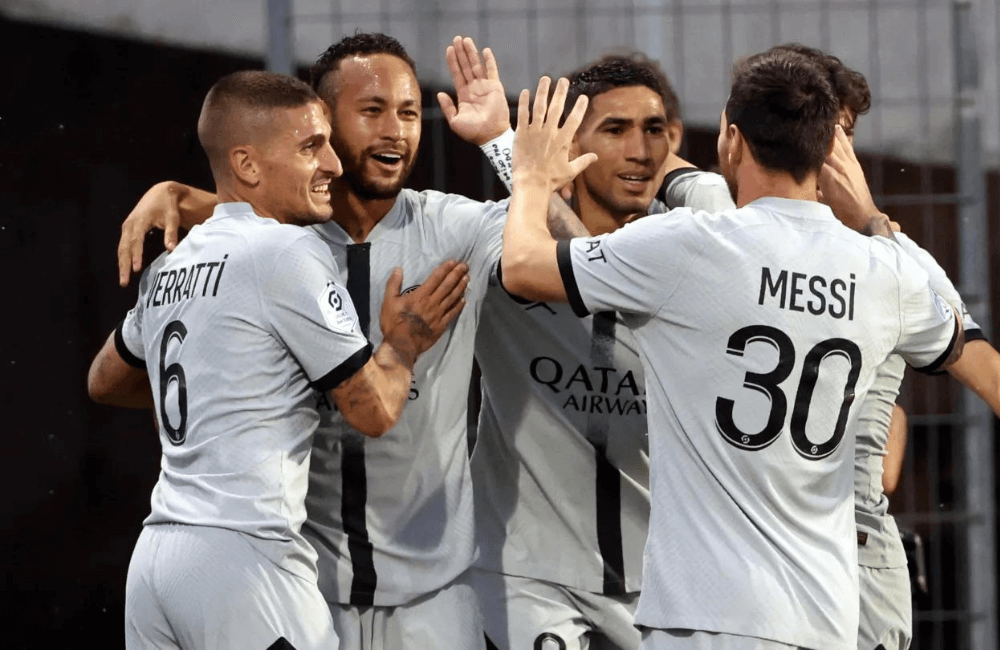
(447,106)
(577,165)
(395,282)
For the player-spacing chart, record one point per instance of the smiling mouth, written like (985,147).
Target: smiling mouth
(322,190)
(388,159)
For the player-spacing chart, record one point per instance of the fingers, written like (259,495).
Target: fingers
(566,192)
(466,58)
(558,102)
(448,107)
(580,163)
(171,224)
(129,253)
(522,109)
(395,282)
(452,285)
(452,313)
(436,277)
(451,57)
(474,62)
(540,105)
(492,72)
(575,117)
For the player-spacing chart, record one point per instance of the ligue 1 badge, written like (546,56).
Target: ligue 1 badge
(337,309)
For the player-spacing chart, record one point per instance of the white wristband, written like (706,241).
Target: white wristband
(499,151)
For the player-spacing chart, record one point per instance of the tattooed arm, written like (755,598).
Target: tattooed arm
(562,221)
(372,399)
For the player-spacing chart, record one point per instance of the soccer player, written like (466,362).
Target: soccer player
(238,328)
(886,608)
(392,519)
(561,465)
(778,315)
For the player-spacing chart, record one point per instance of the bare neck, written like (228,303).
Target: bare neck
(357,216)
(755,182)
(238,193)
(596,218)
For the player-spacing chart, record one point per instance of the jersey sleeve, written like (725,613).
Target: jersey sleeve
(928,327)
(941,284)
(311,312)
(633,270)
(693,188)
(128,333)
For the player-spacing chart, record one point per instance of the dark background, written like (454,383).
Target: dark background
(87,124)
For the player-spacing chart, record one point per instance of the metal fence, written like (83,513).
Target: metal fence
(923,144)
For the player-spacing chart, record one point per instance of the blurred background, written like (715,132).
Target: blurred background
(101,101)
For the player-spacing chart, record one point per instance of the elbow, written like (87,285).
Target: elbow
(98,389)
(518,278)
(889,484)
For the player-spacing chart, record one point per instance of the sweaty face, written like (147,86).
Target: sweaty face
(627,129)
(376,122)
(297,164)
(725,168)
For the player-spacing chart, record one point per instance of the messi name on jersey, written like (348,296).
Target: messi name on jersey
(788,289)
(173,285)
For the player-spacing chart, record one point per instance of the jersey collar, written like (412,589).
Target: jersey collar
(794,208)
(223,210)
(333,232)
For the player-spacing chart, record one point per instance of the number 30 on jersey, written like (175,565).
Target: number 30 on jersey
(768,383)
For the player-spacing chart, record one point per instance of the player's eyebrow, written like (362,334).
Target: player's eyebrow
(656,120)
(382,101)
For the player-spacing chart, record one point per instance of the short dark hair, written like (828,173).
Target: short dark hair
(234,98)
(619,71)
(360,43)
(850,85)
(785,107)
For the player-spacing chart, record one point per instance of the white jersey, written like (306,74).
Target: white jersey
(778,316)
(879,544)
(237,327)
(561,464)
(392,517)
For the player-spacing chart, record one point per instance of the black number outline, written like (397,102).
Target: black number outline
(803,397)
(174,329)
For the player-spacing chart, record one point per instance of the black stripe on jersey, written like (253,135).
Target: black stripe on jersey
(489,643)
(565,262)
(123,350)
(929,370)
(608,487)
(670,178)
(516,298)
(352,466)
(970,335)
(281,644)
(345,370)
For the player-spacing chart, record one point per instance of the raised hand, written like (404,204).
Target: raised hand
(482,112)
(843,187)
(413,322)
(541,146)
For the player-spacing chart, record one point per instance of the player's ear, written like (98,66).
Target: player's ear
(737,145)
(675,134)
(243,162)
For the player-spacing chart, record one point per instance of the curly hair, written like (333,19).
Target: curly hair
(621,70)
(850,85)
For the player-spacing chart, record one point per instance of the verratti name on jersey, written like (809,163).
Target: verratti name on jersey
(786,288)
(174,285)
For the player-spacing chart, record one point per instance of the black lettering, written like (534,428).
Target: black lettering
(543,305)
(323,402)
(572,402)
(604,377)
(208,278)
(850,313)
(839,298)
(198,267)
(156,289)
(187,285)
(628,381)
(615,407)
(595,404)
(181,276)
(768,285)
(796,291)
(581,376)
(557,372)
(816,311)
(218,276)
(635,406)
(171,279)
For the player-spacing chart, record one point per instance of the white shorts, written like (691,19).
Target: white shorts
(199,587)
(886,608)
(446,618)
(526,614)
(701,640)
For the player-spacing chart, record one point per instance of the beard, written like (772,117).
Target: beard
(374,189)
